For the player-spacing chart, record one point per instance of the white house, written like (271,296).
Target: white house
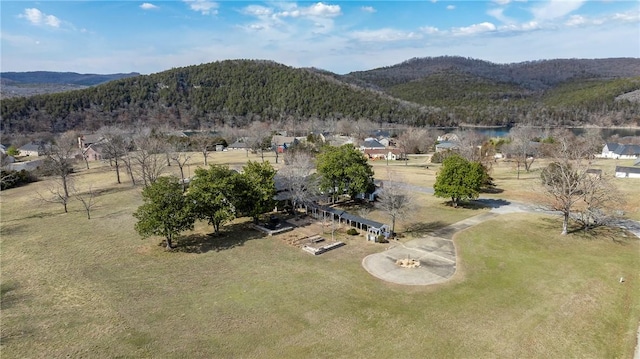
(620,151)
(31,150)
(627,172)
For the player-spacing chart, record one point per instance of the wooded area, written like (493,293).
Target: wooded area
(446,91)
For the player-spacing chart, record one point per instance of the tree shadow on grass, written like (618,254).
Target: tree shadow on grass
(491,203)
(424,228)
(576,230)
(230,236)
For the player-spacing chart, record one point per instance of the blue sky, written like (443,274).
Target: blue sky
(339,36)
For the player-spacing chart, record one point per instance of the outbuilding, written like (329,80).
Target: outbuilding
(627,172)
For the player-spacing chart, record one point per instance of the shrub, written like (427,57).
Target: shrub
(352,232)
(12,179)
(382,239)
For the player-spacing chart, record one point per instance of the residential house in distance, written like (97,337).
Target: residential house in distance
(240,144)
(371,144)
(90,147)
(391,154)
(283,142)
(620,151)
(447,146)
(32,149)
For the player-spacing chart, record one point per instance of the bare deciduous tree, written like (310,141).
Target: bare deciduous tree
(395,200)
(299,178)
(58,192)
(205,143)
(88,200)
(60,158)
(115,146)
(259,137)
(181,158)
(149,164)
(569,184)
(522,149)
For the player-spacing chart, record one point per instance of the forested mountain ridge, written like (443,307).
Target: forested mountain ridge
(63,78)
(17,84)
(445,91)
(235,92)
(533,75)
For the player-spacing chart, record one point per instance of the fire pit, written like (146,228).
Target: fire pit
(408,263)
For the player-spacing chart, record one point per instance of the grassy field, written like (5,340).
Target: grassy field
(73,287)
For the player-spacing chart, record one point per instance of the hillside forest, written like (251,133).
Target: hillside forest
(439,92)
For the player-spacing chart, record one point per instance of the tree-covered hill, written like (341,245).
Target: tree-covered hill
(62,78)
(445,91)
(547,92)
(233,91)
(534,75)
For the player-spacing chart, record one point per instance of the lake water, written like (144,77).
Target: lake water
(605,133)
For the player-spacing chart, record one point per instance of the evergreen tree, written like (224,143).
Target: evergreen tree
(165,211)
(459,179)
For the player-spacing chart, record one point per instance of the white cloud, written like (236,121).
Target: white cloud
(474,29)
(319,9)
(37,17)
(205,7)
(257,11)
(148,6)
(384,35)
(575,20)
(368,9)
(631,16)
(450,7)
(554,9)
(525,26)
(498,13)
(502,2)
(430,30)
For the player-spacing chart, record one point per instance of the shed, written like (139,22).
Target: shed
(373,228)
(627,172)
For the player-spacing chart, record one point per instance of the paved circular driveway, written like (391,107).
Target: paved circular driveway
(437,258)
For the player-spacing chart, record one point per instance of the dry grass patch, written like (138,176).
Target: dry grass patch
(73,287)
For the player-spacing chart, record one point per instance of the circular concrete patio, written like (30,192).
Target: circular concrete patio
(437,258)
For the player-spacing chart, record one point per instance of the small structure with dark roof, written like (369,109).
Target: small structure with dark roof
(627,172)
(374,229)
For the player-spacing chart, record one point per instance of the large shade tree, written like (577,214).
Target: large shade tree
(254,189)
(344,170)
(459,179)
(165,211)
(211,194)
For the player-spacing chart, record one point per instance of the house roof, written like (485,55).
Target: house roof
(348,216)
(31,147)
(89,139)
(240,143)
(611,146)
(372,144)
(625,169)
(629,150)
(447,145)
(284,140)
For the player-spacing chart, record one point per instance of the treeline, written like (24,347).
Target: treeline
(532,75)
(446,91)
(229,92)
(475,100)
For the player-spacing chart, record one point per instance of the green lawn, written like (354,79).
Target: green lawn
(73,287)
